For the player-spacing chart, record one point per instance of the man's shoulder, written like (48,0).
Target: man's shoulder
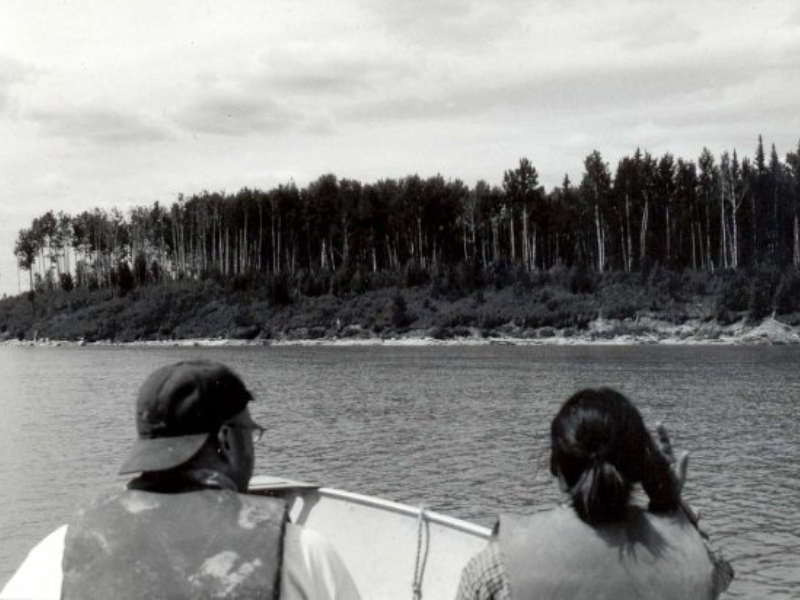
(310,541)
(248,511)
(39,575)
(313,567)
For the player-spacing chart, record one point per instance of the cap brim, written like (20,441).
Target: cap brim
(160,454)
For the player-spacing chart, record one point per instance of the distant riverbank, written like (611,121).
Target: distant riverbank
(551,308)
(599,332)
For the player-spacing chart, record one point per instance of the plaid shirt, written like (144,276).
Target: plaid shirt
(484,577)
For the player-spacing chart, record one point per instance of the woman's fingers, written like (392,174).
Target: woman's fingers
(681,469)
(664,443)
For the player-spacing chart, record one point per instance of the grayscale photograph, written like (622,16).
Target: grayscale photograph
(382,300)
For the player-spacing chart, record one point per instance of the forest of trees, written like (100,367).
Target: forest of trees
(724,212)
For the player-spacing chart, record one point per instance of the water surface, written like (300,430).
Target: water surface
(462,430)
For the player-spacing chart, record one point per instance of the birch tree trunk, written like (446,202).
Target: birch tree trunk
(513,241)
(526,258)
(495,241)
(624,244)
(601,259)
(668,235)
(420,256)
(709,259)
(628,237)
(723,227)
(260,236)
(643,233)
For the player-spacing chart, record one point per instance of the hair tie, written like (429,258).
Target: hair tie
(598,456)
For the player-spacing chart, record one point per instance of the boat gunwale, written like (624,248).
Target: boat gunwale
(266,484)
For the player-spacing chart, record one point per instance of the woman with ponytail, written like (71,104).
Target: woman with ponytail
(599,545)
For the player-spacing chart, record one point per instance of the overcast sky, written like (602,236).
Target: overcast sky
(124,103)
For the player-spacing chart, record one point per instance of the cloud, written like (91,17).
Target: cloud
(589,88)
(235,112)
(12,73)
(332,68)
(99,125)
(449,23)
(652,28)
(295,87)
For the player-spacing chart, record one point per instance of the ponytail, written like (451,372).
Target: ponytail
(601,493)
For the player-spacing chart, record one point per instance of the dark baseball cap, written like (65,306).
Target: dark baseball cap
(178,407)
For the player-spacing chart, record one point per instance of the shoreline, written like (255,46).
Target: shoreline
(601,332)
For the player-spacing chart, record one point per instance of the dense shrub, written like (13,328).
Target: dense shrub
(733,293)
(539,316)
(244,316)
(66,283)
(456,281)
(664,283)
(249,332)
(459,319)
(499,274)
(763,284)
(490,321)
(277,288)
(580,280)
(620,298)
(140,269)
(695,283)
(358,302)
(313,283)
(125,280)
(787,294)
(416,275)
(441,333)
(400,317)
(360,282)
(244,282)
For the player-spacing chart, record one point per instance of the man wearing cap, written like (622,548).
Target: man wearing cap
(184,528)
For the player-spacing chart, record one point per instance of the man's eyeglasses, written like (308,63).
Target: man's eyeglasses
(256,431)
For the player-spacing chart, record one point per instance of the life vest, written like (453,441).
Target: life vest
(199,544)
(555,555)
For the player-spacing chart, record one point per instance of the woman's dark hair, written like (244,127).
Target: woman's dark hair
(601,447)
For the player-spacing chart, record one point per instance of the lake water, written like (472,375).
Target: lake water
(461,430)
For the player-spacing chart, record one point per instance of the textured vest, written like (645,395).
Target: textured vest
(555,555)
(201,544)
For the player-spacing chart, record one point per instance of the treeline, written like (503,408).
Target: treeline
(715,213)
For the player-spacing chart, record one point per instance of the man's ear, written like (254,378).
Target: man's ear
(224,438)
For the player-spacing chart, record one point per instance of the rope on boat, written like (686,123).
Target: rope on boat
(422,555)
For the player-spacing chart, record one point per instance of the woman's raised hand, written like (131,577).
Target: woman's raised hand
(679,469)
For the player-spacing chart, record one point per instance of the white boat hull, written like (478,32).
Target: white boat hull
(386,546)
